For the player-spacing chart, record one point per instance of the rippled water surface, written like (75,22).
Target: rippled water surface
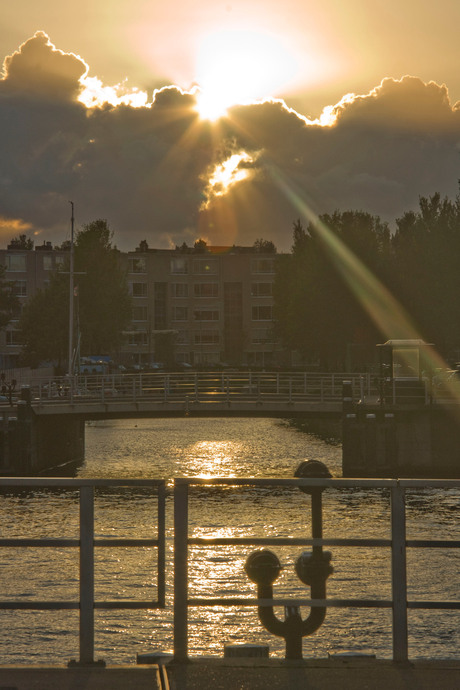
(218,447)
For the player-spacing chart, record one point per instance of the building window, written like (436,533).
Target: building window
(139,289)
(180,313)
(207,338)
(263,265)
(262,289)
(262,313)
(206,289)
(138,338)
(20,288)
(12,338)
(182,337)
(15,262)
(262,336)
(204,266)
(179,290)
(137,265)
(48,262)
(179,266)
(206,315)
(140,313)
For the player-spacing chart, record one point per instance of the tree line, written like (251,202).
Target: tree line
(349,283)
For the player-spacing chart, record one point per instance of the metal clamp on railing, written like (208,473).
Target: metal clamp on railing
(263,567)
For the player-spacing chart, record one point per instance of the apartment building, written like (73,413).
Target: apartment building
(210,306)
(190,306)
(29,271)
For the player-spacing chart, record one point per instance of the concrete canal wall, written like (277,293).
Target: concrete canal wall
(31,444)
(421,441)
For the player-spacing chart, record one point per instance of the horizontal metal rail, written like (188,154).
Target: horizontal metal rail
(193,387)
(398,544)
(86,544)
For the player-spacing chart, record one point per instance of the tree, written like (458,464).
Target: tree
(265,246)
(21,242)
(426,247)
(200,246)
(102,304)
(316,307)
(44,323)
(9,303)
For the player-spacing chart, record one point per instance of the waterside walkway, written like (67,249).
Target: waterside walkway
(251,674)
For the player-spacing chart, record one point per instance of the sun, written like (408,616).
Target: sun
(237,67)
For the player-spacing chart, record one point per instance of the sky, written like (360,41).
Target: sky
(225,121)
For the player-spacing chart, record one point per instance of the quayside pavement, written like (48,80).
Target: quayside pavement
(232,674)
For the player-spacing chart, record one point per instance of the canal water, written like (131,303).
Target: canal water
(168,448)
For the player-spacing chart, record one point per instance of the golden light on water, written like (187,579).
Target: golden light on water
(212,458)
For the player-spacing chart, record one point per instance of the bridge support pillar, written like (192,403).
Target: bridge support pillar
(31,444)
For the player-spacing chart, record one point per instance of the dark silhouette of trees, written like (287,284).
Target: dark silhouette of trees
(316,309)
(44,323)
(265,246)
(426,257)
(9,303)
(21,242)
(321,306)
(102,304)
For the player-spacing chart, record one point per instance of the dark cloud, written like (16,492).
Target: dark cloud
(39,68)
(147,169)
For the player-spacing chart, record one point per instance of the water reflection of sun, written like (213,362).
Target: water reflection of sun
(212,458)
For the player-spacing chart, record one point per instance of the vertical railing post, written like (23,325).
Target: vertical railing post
(87,575)
(180,571)
(398,573)
(161,534)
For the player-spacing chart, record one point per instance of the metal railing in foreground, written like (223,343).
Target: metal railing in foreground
(397,544)
(86,544)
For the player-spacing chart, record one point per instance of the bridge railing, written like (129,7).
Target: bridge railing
(203,387)
(86,543)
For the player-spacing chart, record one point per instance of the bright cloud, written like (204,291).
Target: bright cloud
(157,171)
